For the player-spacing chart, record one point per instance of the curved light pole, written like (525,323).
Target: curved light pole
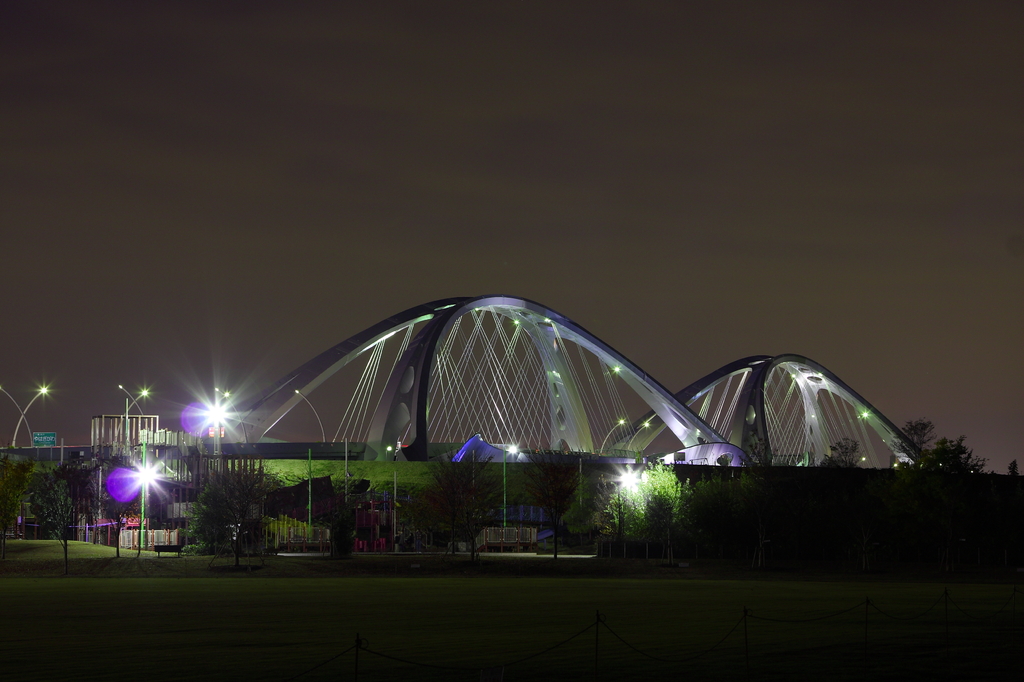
(323,436)
(24,417)
(241,424)
(613,429)
(144,393)
(127,408)
(637,433)
(20,411)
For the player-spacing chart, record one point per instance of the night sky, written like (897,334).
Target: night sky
(209,194)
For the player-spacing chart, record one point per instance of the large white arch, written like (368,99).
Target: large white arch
(402,414)
(794,406)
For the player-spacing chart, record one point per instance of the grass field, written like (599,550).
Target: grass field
(181,619)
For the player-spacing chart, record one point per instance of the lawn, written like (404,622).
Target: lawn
(266,625)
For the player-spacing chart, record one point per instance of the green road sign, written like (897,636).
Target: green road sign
(44,439)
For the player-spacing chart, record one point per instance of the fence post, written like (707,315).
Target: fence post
(867,603)
(746,642)
(359,643)
(597,630)
(945,602)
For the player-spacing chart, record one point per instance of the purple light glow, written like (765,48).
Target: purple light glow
(124,484)
(194,418)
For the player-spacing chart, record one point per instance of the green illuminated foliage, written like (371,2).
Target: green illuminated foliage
(15,477)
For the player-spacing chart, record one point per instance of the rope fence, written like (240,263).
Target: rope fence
(495,673)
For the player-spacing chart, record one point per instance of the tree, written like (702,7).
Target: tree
(465,493)
(845,454)
(339,517)
(938,495)
(229,507)
(647,507)
(585,512)
(758,496)
(712,513)
(757,454)
(920,432)
(663,500)
(1012,469)
(14,481)
(553,486)
(54,508)
(951,457)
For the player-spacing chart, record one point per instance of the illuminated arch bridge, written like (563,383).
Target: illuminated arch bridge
(794,410)
(497,374)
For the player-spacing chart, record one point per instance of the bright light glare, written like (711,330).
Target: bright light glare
(125,484)
(147,476)
(216,414)
(629,480)
(513,449)
(43,389)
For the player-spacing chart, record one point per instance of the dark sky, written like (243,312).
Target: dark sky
(200,194)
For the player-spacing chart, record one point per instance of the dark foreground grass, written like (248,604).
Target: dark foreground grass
(254,627)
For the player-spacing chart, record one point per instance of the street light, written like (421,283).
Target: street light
(146,476)
(627,480)
(216,416)
(620,423)
(241,424)
(24,417)
(20,412)
(144,393)
(127,408)
(646,424)
(323,436)
(514,449)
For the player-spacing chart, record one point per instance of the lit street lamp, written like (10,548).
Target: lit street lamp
(215,415)
(127,408)
(241,424)
(23,417)
(144,393)
(514,449)
(146,476)
(601,449)
(323,436)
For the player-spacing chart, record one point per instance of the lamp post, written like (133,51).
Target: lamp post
(24,413)
(601,449)
(216,416)
(127,408)
(637,433)
(241,424)
(20,412)
(144,393)
(514,449)
(323,436)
